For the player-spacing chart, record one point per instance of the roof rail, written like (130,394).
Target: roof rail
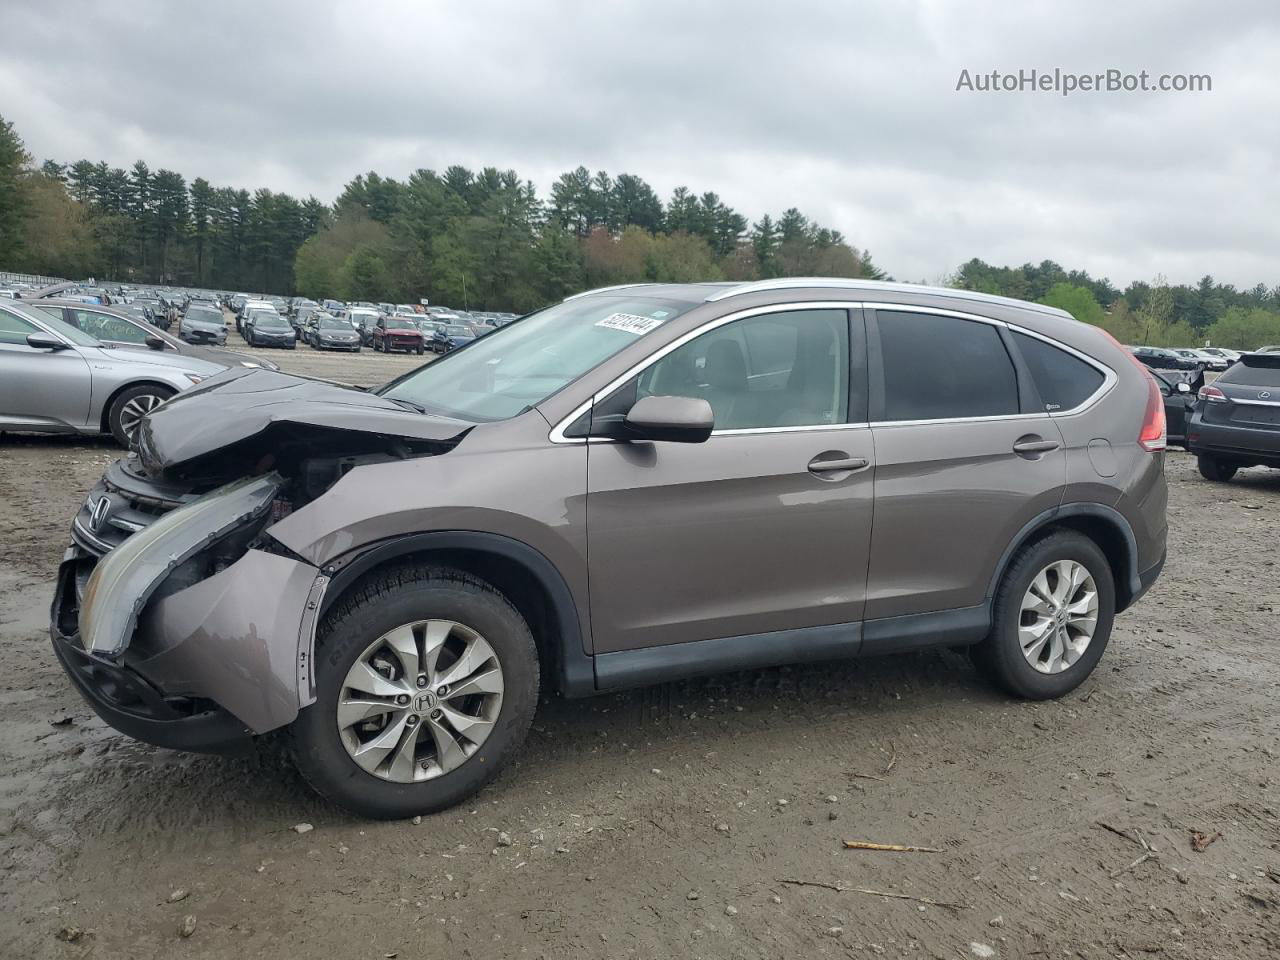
(850,283)
(618,286)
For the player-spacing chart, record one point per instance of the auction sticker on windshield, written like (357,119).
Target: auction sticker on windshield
(630,322)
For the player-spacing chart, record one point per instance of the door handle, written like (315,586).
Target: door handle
(842,464)
(1034,444)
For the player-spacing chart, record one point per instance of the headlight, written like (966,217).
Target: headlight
(126,577)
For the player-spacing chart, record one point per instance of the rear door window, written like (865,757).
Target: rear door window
(106,327)
(1064,381)
(939,367)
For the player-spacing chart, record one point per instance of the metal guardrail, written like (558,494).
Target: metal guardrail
(34,279)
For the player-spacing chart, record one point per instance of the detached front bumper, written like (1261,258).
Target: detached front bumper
(129,703)
(172,654)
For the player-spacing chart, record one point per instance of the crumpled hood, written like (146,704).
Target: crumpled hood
(242,404)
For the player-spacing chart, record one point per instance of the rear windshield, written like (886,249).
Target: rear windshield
(1251,376)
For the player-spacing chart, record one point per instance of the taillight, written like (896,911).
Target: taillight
(1152,438)
(1212,394)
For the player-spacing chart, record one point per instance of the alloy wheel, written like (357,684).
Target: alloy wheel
(420,700)
(1058,617)
(131,413)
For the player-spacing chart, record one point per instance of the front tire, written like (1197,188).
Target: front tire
(1211,468)
(408,634)
(128,409)
(1051,618)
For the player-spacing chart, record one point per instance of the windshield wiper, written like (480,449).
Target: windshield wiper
(408,403)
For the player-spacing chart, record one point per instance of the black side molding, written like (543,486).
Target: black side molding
(576,672)
(1128,583)
(675,661)
(958,627)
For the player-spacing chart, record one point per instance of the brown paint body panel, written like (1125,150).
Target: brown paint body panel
(728,537)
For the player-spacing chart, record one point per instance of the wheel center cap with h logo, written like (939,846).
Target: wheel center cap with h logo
(424,701)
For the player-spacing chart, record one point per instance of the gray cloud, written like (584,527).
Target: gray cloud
(848,111)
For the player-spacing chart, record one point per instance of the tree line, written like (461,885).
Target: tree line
(483,239)
(1155,314)
(486,240)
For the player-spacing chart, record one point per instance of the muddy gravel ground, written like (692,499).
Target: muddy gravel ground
(666,822)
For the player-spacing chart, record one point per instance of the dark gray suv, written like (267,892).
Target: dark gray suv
(638,484)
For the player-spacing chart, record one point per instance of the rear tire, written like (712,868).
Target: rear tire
(381,605)
(1211,468)
(1001,658)
(130,406)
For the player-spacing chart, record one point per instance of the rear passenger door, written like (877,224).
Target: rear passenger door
(966,454)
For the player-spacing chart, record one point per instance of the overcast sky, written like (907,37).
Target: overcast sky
(846,110)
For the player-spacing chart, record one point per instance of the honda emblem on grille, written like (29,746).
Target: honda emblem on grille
(98,516)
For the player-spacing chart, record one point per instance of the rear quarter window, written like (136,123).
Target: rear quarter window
(1064,381)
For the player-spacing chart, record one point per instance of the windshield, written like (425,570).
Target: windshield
(268,319)
(204,315)
(454,330)
(331,323)
(395,323)
(519,366)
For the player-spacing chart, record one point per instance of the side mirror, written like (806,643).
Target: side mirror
(1183,387)
(44,341)
(155,343)
(670,419)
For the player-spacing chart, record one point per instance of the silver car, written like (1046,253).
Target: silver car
(55,378)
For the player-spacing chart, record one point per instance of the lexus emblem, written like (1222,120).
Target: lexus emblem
(1265,395)
(98,516)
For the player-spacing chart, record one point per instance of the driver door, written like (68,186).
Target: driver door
(753,531)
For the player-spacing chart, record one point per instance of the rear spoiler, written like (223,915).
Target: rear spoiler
(1261,360)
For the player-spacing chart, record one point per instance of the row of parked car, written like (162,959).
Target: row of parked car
(333,325)
(77,361)
(1187,358)
(1229,424)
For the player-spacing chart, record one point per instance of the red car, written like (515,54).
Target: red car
(396,333)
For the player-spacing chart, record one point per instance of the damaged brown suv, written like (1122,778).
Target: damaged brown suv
(635,485)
